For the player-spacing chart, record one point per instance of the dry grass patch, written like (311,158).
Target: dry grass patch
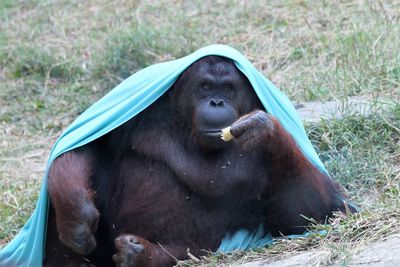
(22,166)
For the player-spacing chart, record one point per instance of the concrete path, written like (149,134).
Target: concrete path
(312,112)
(385,253)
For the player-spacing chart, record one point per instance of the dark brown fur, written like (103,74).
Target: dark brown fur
(156,190)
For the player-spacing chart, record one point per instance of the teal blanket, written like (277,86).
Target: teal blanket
(127,100)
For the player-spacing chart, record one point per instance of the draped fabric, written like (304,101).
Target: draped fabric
(127,100)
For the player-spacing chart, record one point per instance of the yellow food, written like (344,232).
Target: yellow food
(226,134)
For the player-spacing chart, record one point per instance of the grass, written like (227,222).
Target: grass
(58,57)
(374,138)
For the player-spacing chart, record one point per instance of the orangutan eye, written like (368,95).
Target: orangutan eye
(205,87)
(229,91)
(203,90)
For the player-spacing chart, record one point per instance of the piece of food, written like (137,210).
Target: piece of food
(226,134)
